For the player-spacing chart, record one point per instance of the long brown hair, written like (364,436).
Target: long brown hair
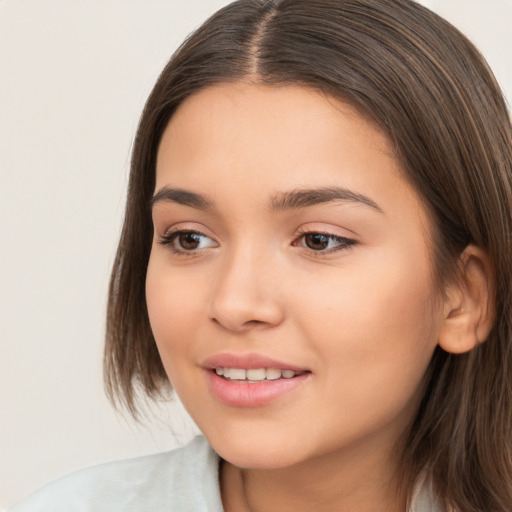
(427,87)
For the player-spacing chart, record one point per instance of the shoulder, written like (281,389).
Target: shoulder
(424,497)
(180,480)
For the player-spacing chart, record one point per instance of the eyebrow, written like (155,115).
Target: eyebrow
(180,196)
(292,200)
(304,198)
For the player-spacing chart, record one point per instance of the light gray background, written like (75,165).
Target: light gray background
(73,79)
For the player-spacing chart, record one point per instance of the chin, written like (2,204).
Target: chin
(265,451)
(257,459)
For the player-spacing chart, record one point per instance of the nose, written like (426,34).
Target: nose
(246,295)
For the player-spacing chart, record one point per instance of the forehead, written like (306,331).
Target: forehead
(289,129)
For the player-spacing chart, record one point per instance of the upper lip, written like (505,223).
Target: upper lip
(248,361)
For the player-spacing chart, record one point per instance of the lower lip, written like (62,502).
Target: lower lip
(252,394)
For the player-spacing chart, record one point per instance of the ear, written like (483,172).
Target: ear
(470,304)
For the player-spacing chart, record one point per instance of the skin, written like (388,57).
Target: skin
(363,319)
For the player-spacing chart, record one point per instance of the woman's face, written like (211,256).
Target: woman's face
(289,248)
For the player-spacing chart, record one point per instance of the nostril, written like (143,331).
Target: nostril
(254,322)
(240,327)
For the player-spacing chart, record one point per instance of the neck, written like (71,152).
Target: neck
(338,482)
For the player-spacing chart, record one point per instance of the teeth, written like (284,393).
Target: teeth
(235,373)
(259,374)
(273,374)
(256,374)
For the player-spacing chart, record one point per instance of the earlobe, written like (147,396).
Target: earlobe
(470,303)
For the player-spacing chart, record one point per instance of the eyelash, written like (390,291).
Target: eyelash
(170,239)
(343,242)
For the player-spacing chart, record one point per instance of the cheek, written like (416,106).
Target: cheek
(391,294)
(376,325)
(173,308)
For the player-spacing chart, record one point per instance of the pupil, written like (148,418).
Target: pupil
(317,241)
(189,241)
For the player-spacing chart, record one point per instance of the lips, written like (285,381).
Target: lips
(248,361)
(251,380)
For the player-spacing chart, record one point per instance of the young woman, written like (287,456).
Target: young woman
(316,255)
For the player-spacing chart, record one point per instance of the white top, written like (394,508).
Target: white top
(182,480)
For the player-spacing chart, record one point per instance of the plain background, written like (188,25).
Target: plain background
(73,79)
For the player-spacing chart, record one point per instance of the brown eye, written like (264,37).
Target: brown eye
(189,240)
(316,241)
(324,242)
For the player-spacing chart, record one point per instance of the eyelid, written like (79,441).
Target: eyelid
(328,229)
(192,227)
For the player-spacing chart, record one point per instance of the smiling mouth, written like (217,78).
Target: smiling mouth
(254,375)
